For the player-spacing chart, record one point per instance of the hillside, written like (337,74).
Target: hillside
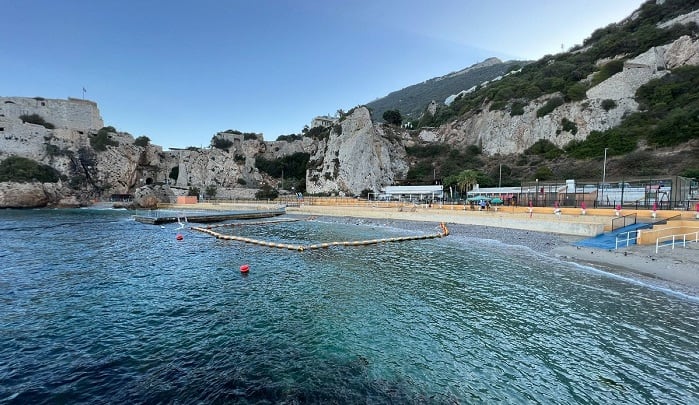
(412,100)
(630,90)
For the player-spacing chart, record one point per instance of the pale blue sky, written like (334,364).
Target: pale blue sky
(180,71)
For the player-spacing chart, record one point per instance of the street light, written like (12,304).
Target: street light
(604,175)
(500,179)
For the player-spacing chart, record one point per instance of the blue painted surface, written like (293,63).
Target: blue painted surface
(607,240)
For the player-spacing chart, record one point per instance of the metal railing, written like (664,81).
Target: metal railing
(625,241)
(672,240)
(625,220)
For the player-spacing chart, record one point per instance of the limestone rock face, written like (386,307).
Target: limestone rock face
(362,156)
(23,195)
(150,196)
(682,52)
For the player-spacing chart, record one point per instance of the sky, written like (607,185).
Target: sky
(178,72)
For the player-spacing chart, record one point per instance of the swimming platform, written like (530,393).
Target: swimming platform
(206,216)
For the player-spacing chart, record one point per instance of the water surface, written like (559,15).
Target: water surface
(95,307)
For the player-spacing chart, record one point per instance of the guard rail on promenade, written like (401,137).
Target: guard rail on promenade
(680,239)
(625,239)
(624,220)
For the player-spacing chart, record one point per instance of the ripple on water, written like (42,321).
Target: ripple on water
(110,310)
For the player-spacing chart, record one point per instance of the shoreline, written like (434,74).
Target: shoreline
(675,270)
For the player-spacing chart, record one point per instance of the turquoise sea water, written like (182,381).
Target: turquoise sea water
(96,308)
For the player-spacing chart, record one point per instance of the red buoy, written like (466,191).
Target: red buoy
(244,268)
(179,237)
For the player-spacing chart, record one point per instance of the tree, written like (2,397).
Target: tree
(266,192)
(23,170)
(221,143)
(142,141)
(211,191)
(393,117)
(467,179)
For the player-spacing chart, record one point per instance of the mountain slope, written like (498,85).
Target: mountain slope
(412,100)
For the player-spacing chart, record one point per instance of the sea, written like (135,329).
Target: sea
(98,308)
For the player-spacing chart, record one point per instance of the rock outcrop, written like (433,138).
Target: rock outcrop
(35,195)
(359,156)
(150,196)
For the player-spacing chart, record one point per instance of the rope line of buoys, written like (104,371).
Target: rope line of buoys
(300,248)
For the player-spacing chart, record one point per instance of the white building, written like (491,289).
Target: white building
(412,193)
(323,121)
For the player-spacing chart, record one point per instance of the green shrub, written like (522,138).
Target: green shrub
(239,159)
(607,70)
(36,119)
(608,104)
(576,92)
(498,105)
(102,139)
(692,173)
(241,181)
(544,147)
(293,165)
(289,138)
(23,170)
(193,192)
(550,105)
(221,143)
(211,191)
(517,108)
(427,151)
(142,141)
(569,126)
(544,173)
(319,133)
(393,117)
(266,192)
(54,150)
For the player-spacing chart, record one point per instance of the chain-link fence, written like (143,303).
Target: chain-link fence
(641,193)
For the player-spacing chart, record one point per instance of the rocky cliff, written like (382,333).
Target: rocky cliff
(357,155)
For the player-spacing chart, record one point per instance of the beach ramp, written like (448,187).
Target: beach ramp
(608,240)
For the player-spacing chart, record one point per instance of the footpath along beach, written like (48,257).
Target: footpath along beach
(674,269)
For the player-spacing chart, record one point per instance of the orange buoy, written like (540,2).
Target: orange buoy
(179,236)
(244,268)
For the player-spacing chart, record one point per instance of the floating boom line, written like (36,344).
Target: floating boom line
(300,248)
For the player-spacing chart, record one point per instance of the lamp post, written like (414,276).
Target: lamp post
(604,175)
(500,179)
